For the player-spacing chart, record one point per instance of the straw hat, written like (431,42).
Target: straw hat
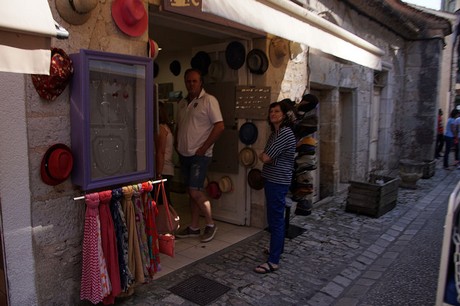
(279,49)
(56,164)
(225,184)
(248,157)
(130,16)
(75,11)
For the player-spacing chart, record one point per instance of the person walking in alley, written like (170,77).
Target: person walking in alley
(439,136)
(450,134)
(199,125)
(278,164)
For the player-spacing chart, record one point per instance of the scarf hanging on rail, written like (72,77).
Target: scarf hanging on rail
(109,246)
(140,227)
(134,253)
(95,284)
(150,212)
(126,277)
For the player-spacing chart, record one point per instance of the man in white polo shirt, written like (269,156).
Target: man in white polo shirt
(199,125)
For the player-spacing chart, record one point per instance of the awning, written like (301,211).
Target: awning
(295,23)
(26,28)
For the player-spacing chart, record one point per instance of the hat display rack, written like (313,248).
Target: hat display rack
(306,125)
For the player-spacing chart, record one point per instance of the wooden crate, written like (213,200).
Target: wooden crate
(372,199)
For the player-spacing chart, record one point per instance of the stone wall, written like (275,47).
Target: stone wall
(57,219)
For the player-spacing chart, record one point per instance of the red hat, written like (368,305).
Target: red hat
(213,190)
(130,16)
(49,87)
(56,164)
(152,48)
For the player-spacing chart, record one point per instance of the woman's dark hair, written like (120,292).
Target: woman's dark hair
(285,107)
(454,113)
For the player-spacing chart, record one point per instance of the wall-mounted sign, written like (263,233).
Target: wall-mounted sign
(184,7)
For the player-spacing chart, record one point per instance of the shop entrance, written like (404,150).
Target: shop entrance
(180,38)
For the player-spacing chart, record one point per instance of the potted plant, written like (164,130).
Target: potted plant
(375,197)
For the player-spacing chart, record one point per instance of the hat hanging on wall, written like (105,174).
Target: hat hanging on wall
(248,133)
(235,55)
(201,61)
(248,157)
(213,190)
(295,49)
(278,51)
(152,48)
(49,87)
(255,179)
(130,16)
(216,71)
(225,184)
(75,12)
(257,61)
(56,164)
(174,67)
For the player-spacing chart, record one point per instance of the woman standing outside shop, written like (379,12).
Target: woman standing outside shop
(278,160)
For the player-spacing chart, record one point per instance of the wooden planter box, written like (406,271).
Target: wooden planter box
(372,199)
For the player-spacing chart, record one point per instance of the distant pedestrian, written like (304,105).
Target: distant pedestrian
(450,135)
(440,135)
(278,160)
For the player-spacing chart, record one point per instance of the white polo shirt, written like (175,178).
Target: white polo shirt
(195,121)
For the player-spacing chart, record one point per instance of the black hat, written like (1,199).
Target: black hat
(257,61)
(248,133)
(201,61)
(235,55)
(156,69)
(174,67)
(255,179)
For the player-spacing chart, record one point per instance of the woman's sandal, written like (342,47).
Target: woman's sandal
(266,268)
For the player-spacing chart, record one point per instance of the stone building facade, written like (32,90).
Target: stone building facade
(367,118)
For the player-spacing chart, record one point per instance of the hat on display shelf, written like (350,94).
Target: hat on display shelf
(56,164)
(49,87)
(75,12)
(248,133)
(130,16)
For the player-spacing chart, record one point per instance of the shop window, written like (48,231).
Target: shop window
(111,119)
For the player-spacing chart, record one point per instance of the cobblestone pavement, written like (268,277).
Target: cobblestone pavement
(337,258)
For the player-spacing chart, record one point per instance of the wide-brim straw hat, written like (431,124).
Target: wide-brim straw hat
(75,12)
(248,157)
(216,71)
(278,51)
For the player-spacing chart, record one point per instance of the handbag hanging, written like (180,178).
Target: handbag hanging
(167,220)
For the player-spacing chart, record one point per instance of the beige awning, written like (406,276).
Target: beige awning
(285,19)
(26,29)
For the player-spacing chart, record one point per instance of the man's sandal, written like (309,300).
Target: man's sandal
(266,268)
